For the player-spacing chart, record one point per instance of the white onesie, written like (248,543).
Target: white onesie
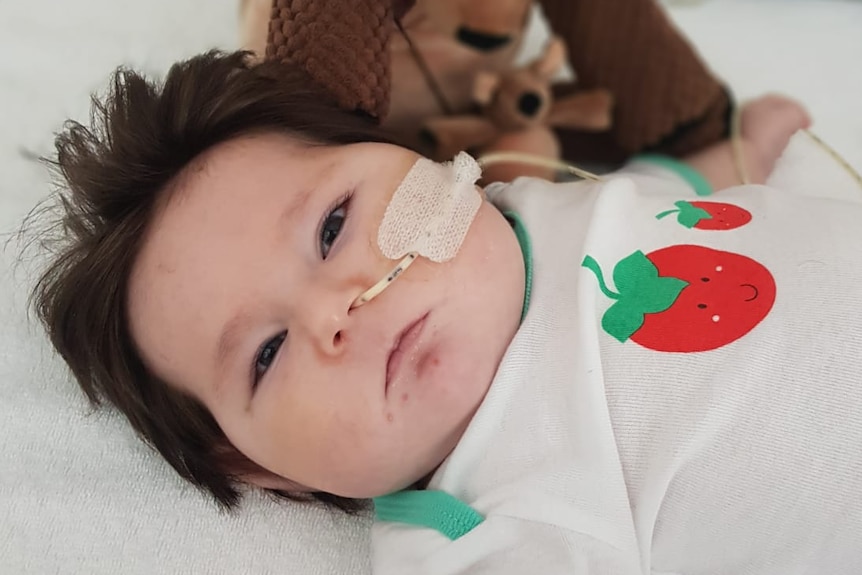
(684,395)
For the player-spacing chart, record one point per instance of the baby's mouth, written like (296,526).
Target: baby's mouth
(406,340)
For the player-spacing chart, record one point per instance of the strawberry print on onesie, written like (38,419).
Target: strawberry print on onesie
(685,298)
(716,216)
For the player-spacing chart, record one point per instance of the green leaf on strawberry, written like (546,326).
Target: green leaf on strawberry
(637,279)
(689,215)
(641,291)
(622,320)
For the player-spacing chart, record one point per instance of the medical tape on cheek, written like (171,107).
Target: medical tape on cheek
(431,210)
(429,215)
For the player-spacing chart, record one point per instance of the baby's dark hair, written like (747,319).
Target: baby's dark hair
(141,138)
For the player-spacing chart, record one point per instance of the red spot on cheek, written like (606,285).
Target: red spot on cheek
(404,397)
(429,362)
(389,417)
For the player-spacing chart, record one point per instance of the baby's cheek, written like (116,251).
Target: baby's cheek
(364,464)
(491,262)
(474,253)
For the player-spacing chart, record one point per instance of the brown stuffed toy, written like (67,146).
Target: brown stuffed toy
(516,113)
(405,61)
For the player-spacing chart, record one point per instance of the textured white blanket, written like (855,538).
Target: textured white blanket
(78,493)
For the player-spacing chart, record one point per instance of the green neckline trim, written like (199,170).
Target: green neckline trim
(433,509)
(683,170)
(527,252)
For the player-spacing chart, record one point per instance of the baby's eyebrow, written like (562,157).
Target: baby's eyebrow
(228,341)
(298,203)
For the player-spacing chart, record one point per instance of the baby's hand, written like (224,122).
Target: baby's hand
(767,124)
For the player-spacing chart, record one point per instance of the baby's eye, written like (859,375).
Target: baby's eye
(265,356)
(332,224)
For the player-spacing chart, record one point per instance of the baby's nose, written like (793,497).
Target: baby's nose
(329,331)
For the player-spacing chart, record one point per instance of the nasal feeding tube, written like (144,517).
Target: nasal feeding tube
(429,216)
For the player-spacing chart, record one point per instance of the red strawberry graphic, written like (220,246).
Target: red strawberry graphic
(685,298)
(708,215)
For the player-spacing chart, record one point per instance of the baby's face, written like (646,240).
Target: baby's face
(242,297)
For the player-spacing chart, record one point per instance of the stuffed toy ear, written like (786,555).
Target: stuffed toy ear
(484,86)
(588,111)
(552,60)
(342,44)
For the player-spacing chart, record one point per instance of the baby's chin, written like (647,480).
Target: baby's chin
(398,473)
(412,477)
(376,488)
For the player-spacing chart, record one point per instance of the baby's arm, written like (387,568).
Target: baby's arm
(766,127)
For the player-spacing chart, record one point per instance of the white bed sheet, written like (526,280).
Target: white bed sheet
(78,493)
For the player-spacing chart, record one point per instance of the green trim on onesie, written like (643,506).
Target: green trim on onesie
(433,509)
(692,177)
(527,252)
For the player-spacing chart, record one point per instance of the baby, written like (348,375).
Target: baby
(618,376)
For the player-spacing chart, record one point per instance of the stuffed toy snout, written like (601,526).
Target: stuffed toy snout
(522,98)
(517,108)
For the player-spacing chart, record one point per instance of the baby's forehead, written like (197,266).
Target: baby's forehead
(246,194)
(252,168)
